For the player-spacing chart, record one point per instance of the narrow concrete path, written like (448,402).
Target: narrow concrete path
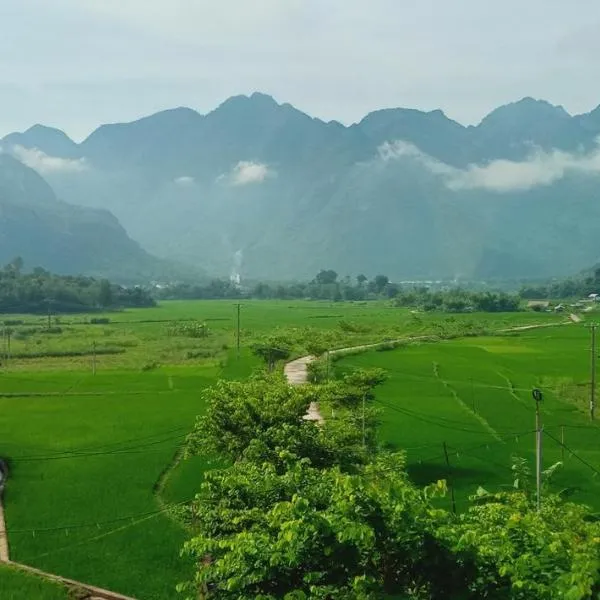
(95,593)
(296,373)
(4,554)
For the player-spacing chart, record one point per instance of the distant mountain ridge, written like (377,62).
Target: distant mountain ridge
(264,189)
(47,232)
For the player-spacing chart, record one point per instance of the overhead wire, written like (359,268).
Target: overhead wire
(96,523)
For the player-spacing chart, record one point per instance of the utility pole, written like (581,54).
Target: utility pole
(450,485)
(593,372)
(238,330)
(93,358)
(49,313)
(562,443)
(538,397)
(364,431)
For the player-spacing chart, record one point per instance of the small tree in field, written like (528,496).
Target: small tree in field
(272,350)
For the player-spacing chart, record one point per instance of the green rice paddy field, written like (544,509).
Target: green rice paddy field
(88,453)
(16,585)
(474,395)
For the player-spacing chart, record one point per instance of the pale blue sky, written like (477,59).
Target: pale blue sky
(77,63)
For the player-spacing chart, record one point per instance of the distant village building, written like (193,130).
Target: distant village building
(594,298)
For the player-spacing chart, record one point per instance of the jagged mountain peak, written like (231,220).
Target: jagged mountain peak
(526,109)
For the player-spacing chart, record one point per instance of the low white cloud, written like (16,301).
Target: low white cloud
(540,168)
(44,163)
(185,181)
(247,172)
(400,149)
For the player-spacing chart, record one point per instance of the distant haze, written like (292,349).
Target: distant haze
(76,63)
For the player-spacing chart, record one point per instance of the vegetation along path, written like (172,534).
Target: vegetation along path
(296,371)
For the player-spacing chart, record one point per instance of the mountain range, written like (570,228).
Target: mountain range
(45,231)
(264,190)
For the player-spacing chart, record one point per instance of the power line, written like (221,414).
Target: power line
(440,422)
(97,537)
(90,524)
(78,454)
(572,453)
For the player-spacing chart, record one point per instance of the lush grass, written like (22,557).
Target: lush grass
(142,339)
(18,585)
(474,395)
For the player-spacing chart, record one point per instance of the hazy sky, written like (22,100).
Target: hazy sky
(75,64)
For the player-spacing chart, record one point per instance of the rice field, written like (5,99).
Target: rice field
(17,585)
(463,408)
(91,455)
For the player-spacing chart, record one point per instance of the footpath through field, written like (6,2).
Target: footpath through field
(296,371)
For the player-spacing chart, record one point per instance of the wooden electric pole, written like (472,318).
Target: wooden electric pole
(450,483)
(49,313)
(539,430)
(93,358)
(593,373)
(364,430)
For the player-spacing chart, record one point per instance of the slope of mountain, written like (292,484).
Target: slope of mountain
(265,188)
(52,141)
(49,233)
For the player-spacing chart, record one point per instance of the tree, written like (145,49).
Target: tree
(16,265)
(380,282)
(105,295)
(258,419)
(326,277)
(310,533)
(361,279)
(272,350)
(518,552)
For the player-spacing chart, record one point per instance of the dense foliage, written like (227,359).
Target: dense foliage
(310,533)
(41,291)
(566,288)
(327,285)
(458,300)
(518,552)
(310,511)
(257,420)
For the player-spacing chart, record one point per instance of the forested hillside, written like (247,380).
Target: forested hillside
(45,231)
